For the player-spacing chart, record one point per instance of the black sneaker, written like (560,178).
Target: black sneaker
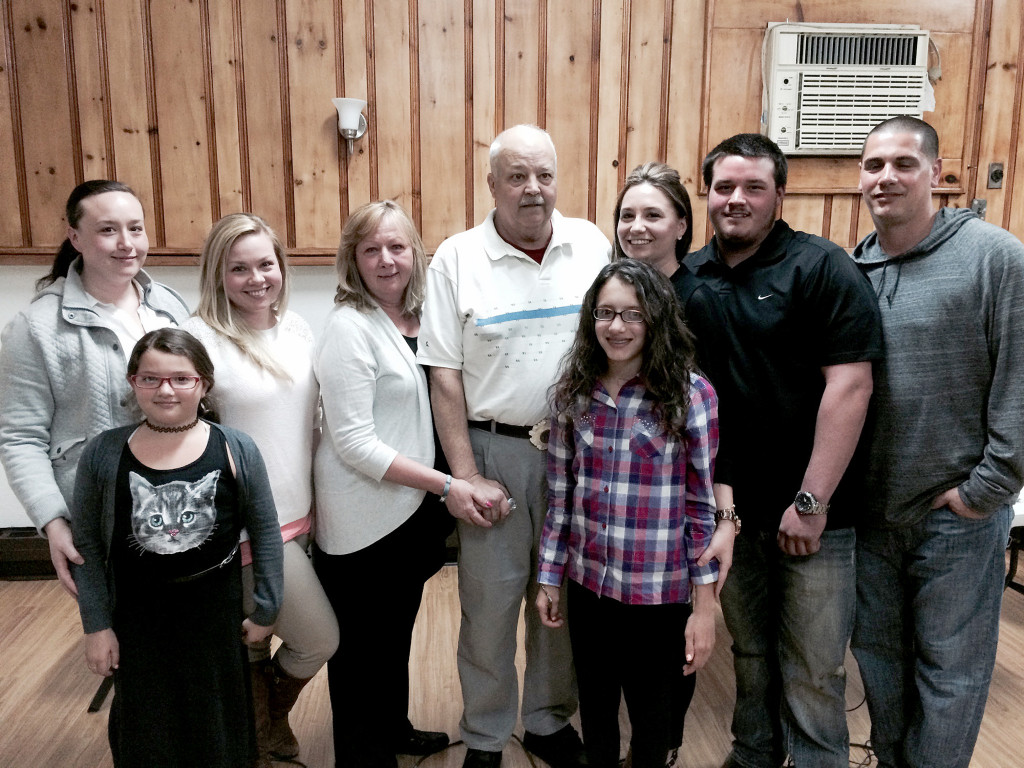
(480,758)
(421,743)
(561,749)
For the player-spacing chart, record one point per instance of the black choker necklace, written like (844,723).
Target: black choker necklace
(184,428)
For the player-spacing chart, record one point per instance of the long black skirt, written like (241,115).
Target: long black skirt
(181,694)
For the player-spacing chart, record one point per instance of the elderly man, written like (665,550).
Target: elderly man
(947,455)
(501,309)
(802,329)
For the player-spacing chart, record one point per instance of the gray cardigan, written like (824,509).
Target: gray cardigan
(949,395)
(92,524)
(62,381)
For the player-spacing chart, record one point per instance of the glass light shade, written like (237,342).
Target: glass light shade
(350,116)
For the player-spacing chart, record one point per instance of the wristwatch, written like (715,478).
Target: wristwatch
(729,513)
(807,504)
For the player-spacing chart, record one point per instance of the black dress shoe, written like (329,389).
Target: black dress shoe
(561,749)
(421,743)
(479,758)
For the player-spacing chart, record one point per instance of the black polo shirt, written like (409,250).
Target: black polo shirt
(797,305)
(704,318)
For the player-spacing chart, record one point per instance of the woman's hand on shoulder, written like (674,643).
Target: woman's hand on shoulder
(102,653)
(253,633)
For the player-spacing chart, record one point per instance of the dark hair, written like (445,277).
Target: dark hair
(175,341)
(747,145)
(73,211)
(668,353)
(666,180)
(907,124)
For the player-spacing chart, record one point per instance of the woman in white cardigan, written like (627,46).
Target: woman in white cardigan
(380,530)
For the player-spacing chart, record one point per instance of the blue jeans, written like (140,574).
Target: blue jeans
(790,619)
(928,601)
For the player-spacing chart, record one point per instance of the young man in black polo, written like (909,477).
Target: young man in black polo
(802,326)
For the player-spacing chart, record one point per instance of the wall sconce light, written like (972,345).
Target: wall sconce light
(351,122)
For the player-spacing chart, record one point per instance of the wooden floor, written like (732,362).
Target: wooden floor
(45,687)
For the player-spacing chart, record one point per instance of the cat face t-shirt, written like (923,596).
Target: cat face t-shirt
(174,523)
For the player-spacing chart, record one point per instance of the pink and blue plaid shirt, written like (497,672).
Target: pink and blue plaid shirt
(630,507)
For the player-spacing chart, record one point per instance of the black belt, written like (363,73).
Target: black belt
(497,428)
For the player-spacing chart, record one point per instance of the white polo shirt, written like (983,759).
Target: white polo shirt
(502,319)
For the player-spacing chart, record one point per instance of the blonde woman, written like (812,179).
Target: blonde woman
(263,355)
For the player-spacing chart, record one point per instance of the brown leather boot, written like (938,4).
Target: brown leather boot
(284,690)
(260,673)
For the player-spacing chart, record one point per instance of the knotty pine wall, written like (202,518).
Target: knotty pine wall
(212,106)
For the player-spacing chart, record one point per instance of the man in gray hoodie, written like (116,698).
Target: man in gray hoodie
(947,454)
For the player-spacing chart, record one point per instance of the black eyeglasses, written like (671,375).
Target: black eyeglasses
(155,382)
(608,314)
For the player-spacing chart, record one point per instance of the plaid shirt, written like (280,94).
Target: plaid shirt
(630,507)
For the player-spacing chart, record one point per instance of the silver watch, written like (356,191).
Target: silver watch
(729,513)
(806,504)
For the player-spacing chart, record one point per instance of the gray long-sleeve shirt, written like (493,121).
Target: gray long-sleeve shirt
(949,395)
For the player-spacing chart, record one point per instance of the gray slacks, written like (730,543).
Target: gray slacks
(497,570)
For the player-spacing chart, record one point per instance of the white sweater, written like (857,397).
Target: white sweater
(278,414)
(375,407)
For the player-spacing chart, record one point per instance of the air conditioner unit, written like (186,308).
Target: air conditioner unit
(827,85)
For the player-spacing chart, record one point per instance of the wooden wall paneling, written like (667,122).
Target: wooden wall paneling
(569,109)
(354,83)
(1015,179)
(483,93)
(134,135)
(90,65)
(1016,212)
(865,226)
(181,101)
(732,103)
(951,118)
(45,114)
(1000,127)
(644,94)
(442,119)
(841,220)
(415,151)
(314,123)
(13,230)
(521,56)
(804,212)
(226,70)
(683,150)
(390,97)
(263,115)
(943,15)
(610,110)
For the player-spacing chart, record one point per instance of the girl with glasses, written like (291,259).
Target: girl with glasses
(62,358)
(157,512)
(264,358)
(654,224)
(631,511)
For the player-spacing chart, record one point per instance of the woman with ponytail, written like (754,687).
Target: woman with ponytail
(63,358)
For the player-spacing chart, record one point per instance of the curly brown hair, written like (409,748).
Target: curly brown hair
(668,352)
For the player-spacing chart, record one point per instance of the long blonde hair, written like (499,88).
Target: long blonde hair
(361,224)
(215,307)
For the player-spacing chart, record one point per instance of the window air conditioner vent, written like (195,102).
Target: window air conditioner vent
(827,85)
(857,50)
